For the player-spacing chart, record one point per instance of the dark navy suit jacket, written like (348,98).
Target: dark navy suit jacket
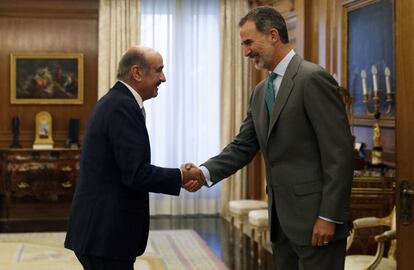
(110,208)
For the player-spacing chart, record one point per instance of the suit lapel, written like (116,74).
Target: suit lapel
(120,88)
(285,89)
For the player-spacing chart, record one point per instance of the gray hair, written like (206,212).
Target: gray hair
(266,18)
(130,58)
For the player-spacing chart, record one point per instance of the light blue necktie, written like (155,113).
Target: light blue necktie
(270,93)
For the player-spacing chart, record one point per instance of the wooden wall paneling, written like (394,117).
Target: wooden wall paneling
(27,6)
(306,31)
(330,39)
(318,30)
(405,122)
(314,30)
(291,22)
(280,5)
(47,27)
(334,40)
(256,181)
(337,41)
(300,27)
(326,29)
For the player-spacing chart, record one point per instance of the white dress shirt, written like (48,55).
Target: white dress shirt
(137,97)
(280,70)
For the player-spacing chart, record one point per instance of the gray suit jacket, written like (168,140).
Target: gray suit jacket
(307,147)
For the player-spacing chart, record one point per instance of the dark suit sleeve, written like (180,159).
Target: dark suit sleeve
(326,112)
(237,154)
(129,139)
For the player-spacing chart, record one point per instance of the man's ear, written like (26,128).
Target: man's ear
(274,34)
(136,73)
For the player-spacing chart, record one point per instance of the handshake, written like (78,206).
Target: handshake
(193,177)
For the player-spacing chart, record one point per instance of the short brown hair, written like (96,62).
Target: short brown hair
(266,18)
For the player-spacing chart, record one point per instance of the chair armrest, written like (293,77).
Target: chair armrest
(368,222)
(381,239)
(386,236)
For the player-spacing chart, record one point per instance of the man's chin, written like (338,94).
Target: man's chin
(258,66)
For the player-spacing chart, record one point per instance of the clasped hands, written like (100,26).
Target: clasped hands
(193,177)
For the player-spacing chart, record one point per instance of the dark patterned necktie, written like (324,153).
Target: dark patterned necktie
(270,93)
(143,113)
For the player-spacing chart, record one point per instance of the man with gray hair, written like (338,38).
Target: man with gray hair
(109,221)
(296,118)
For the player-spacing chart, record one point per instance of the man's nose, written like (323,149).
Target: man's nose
(162,77)
(246,50)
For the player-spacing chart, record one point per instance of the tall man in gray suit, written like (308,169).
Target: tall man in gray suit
(296,118)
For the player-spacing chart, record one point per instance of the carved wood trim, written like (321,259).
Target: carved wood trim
(52,13)
(50,9)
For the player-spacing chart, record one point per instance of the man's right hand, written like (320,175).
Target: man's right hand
(193,177)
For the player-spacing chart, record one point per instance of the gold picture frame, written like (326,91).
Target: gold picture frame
(46,78)
(367,40)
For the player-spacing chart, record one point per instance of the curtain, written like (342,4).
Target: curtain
(119,29)
(184,120)
(235,87)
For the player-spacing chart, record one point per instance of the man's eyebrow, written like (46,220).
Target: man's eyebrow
(159,68)
(246,42)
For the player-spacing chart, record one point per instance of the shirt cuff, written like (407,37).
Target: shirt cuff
(331,220)
(181,172)
(206,174)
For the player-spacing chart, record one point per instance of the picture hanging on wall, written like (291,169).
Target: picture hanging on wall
(46,78)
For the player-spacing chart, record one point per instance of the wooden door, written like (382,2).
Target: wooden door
(404,11)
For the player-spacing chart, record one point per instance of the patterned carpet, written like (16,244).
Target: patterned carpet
(170,250)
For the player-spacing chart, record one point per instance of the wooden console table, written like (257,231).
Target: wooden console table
(36,186)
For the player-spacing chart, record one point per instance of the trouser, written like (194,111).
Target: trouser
(289,256)
(101,263)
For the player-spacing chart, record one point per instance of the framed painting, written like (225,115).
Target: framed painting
(368,59)
(46,78)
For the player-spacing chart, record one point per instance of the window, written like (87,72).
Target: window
(184,120)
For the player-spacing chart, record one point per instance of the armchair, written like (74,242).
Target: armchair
(377,261)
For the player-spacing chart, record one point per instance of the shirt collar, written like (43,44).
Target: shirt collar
(280,69)
(135,94)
